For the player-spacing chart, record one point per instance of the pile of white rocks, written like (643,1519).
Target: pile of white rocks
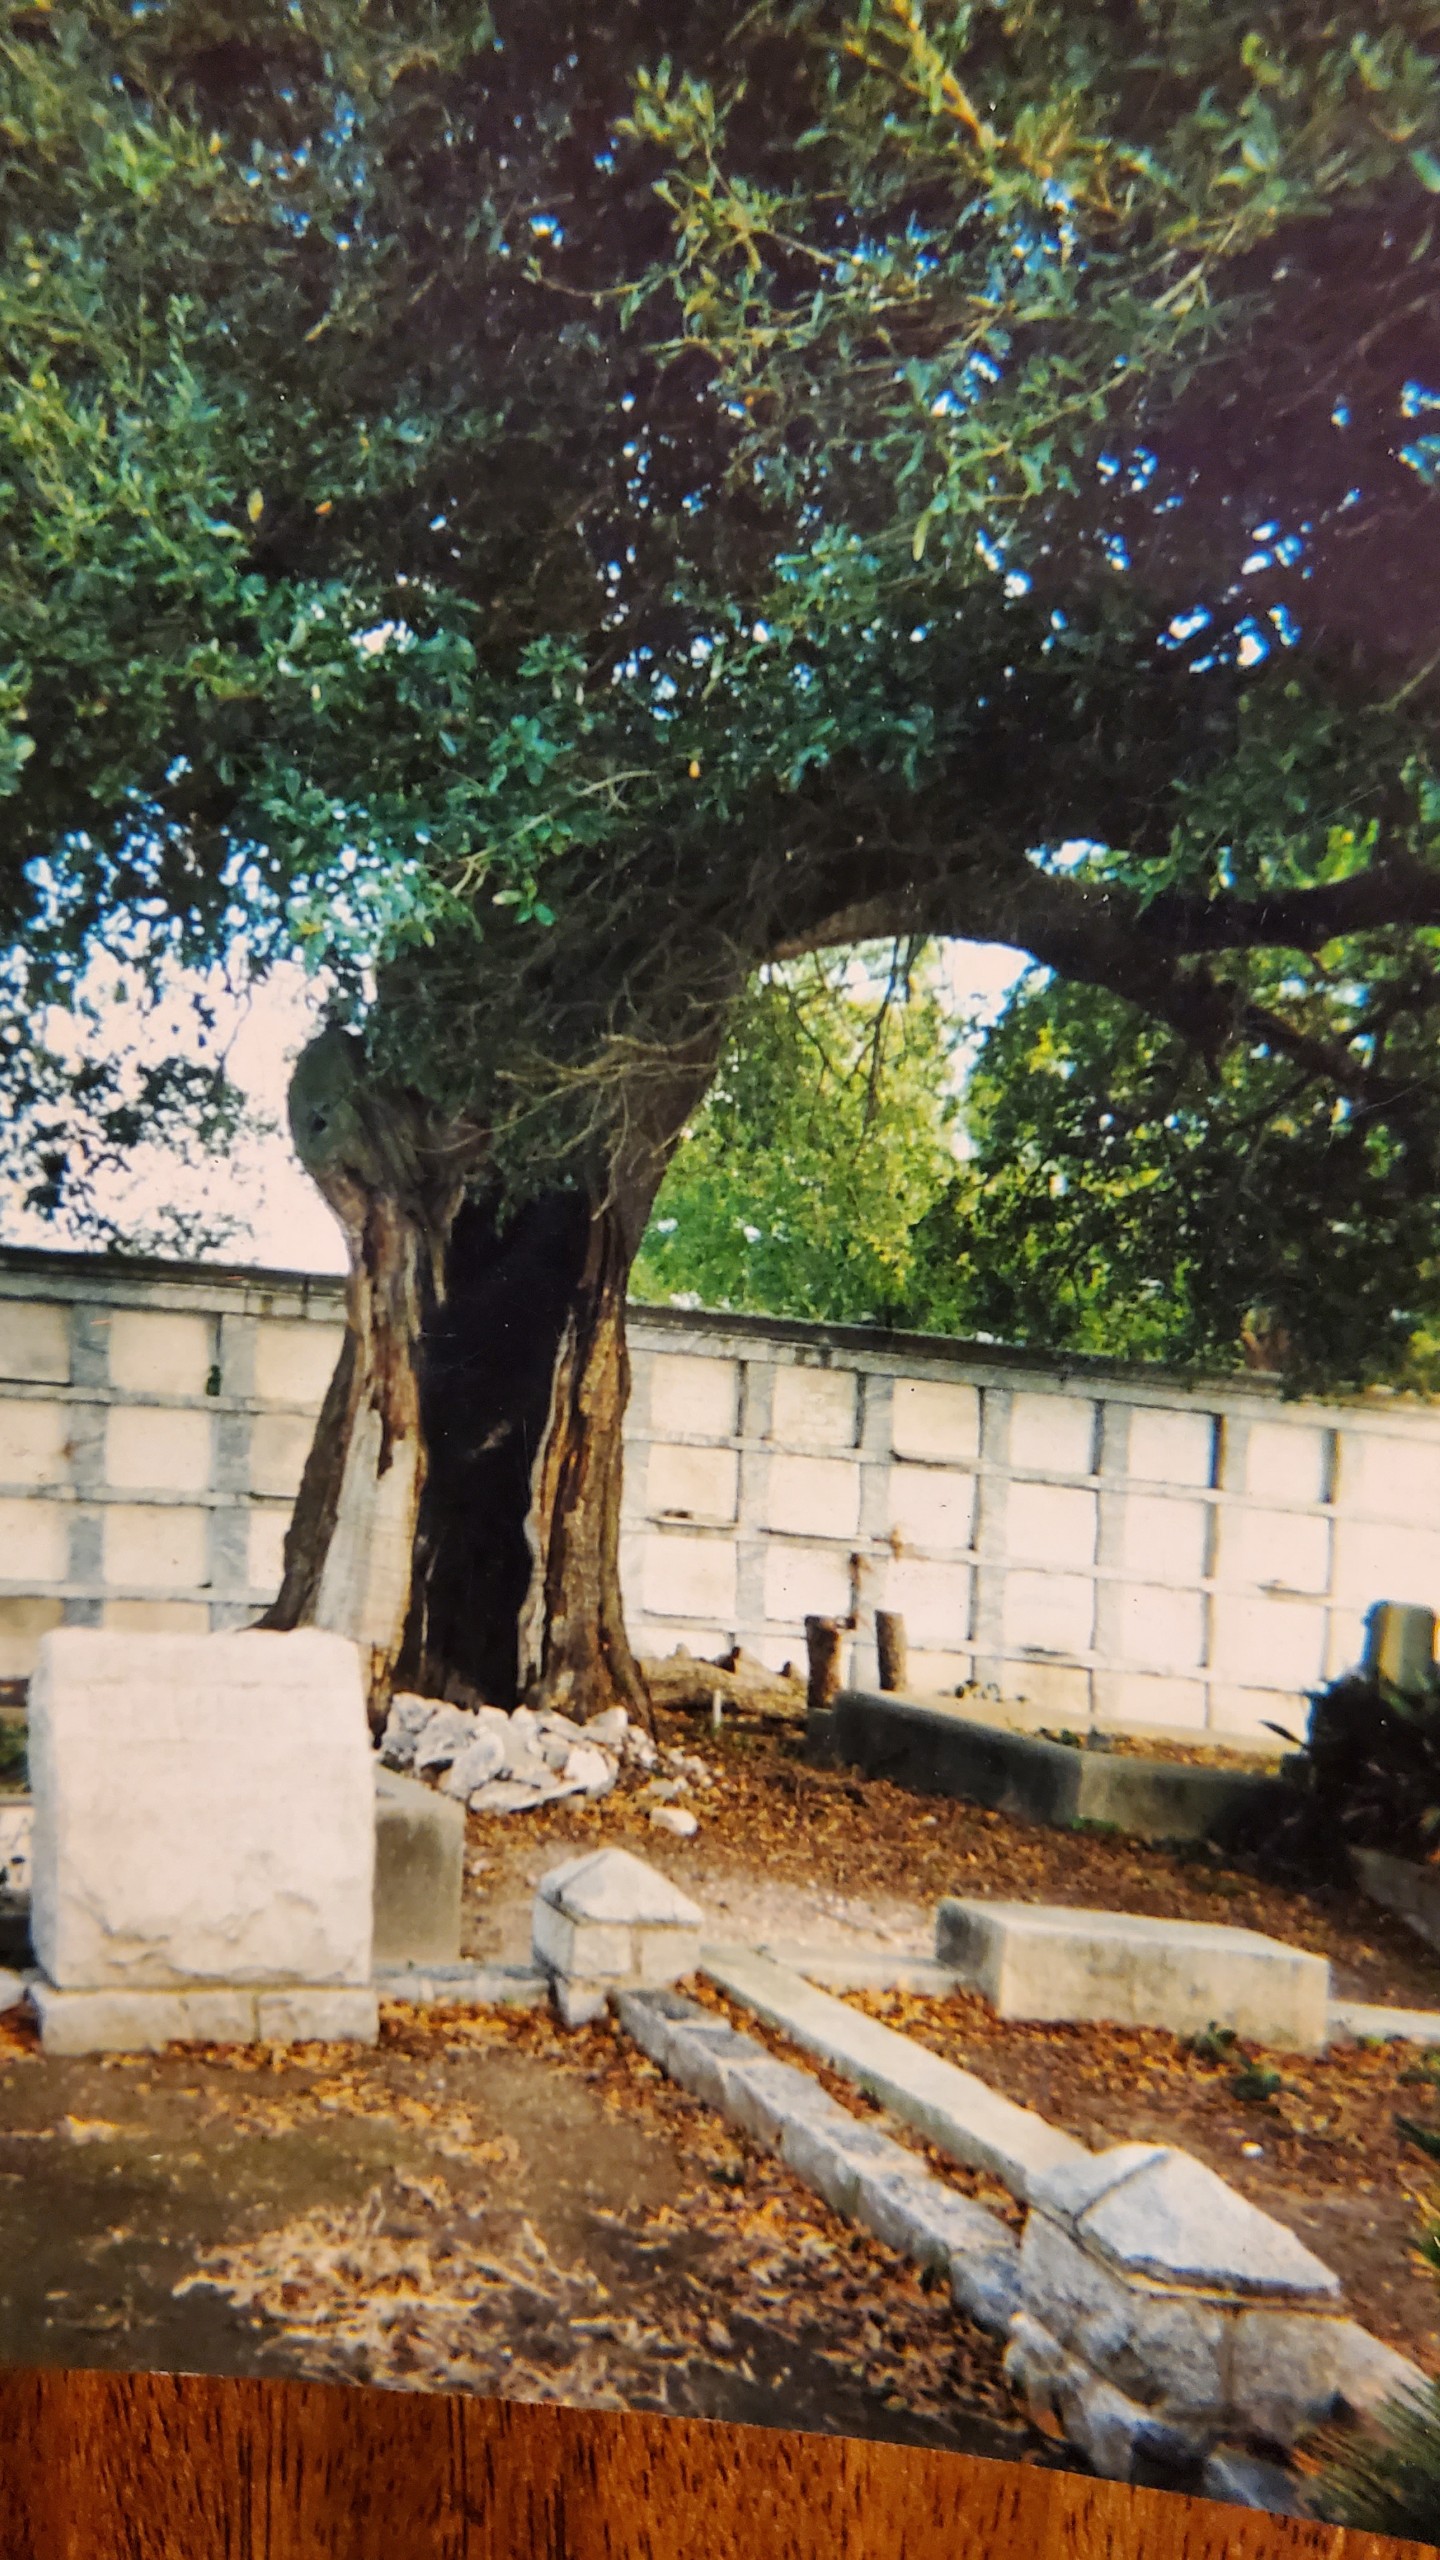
(499,1763)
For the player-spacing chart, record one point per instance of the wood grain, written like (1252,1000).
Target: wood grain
(102,2466)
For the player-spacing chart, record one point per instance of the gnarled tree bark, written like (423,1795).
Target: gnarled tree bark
(459,1514)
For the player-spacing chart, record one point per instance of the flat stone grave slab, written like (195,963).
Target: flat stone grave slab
(1045,1961)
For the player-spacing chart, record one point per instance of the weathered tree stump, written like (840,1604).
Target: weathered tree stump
(892,1648)
(822,1643)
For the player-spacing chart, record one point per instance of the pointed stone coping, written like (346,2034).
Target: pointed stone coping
(1356,2022)
(1160,2216)
(953,2109)
(608,1884)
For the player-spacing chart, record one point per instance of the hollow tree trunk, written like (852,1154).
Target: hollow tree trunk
(459,1513)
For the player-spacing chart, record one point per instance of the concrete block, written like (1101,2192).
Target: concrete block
(933,1600)
(1052,1434)
(1051,1612)
(803,1582)
(935,1418)
(1051,1524)
(419,1872)
(295,1361)
(320,2013)
(1162,1629)
(1167,1447)
(114,2021)
(265,1548)
(157,1617)
(1360,2021)
(685,1577)
(1163,1541)
(687,1483)
(931,1506)
(1287,1462)
(694,1394)
(204,1810)
(600,1950)
(34,1539)
(815,1496)
(463,1986)
(159,1545)
(1033,1960)
(34,1442)
(155,1352)
(1394,1562)
(1274,1642)
(24,1619)
(814,1408)
(861,2172)
(279,1447)
(34,1342)
(955,2111)
(580,2004)
(1277,1548)
(928,2222)
(155,1450)
(1395,1479)
(111,2020)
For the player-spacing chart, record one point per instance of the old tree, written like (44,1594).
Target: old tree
(546,511)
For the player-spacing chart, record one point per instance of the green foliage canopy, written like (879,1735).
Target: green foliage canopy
(547,513)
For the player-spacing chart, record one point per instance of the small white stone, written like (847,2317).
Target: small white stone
(443,1737)
(610,1730)
(481,1760)
(674,1819)
(404,1725)
(509,1795)
(639,1750)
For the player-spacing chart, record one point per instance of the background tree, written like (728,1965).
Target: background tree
(551,530)
(826,1137)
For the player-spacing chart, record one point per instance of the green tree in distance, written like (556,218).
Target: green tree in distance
(825,1138)
(552,513)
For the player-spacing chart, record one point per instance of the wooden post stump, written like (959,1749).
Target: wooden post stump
(822,1643)
(892,1648)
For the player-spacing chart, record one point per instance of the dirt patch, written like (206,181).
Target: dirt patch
(483,2203)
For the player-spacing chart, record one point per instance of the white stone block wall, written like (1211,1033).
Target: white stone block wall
(1092,1542)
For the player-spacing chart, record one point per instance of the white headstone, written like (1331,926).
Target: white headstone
(204,1811)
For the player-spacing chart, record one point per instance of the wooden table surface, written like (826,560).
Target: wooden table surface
(101,2466)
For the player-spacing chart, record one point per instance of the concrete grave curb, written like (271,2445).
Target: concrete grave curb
(954,2110)
(861,2173)
(1124,2332)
